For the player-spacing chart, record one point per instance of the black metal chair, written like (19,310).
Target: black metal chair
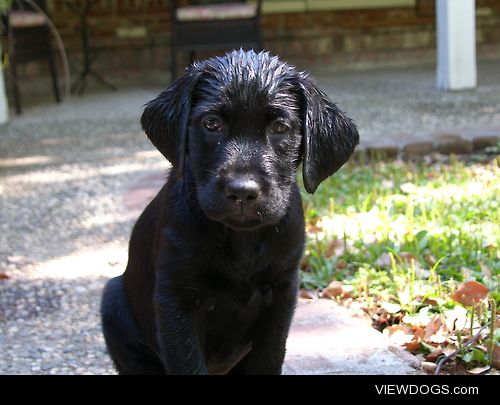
(214,25)
(28,38)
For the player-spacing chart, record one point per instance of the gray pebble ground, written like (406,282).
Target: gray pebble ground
(64,170)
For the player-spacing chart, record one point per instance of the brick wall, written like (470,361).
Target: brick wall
(362,38)
(336,39)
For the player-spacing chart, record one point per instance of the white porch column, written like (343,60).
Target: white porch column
(456,44)
(4,110)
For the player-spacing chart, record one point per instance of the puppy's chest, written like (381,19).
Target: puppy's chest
(233,304)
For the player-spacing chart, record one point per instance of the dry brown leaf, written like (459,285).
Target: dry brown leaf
(414,345)
(313,228)
(433,356)
(333,290)
(430,260)
(305,294)
(418,331)
(396,328)
(479,370)
(3,276)
(390,307)
(430,301)
(407,257)
(432,329)
(341,264)
(347,291)
(334,247)
(449,350)
(456,318)
(398,334)
(470,293)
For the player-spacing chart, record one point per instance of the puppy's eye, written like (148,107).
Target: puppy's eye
(279,127)
(213,124)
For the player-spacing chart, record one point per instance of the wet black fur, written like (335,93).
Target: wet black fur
(211,282)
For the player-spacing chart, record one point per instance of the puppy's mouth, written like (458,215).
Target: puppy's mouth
(242,222)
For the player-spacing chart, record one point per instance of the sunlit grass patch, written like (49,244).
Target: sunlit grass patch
(403,237)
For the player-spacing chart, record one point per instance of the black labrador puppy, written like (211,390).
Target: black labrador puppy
(211,282)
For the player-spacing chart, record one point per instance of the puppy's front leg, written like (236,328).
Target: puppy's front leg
(177,338)
(269,344)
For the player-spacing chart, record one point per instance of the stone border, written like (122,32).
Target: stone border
(446,143)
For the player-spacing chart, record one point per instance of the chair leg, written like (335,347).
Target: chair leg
(192,56)
(15,84)
(260,43)
(55,85)
(173,63)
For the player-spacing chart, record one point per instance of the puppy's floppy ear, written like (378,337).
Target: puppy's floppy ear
(166,118)
(329,136)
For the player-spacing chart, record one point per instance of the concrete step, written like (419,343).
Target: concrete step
(325,338)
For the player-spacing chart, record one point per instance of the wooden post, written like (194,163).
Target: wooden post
(456,44)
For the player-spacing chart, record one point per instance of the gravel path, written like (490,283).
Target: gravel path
(64,228)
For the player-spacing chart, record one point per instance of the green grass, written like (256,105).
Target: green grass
(406,234)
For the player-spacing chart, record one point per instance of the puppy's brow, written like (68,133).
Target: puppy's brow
(204,108)
(277,111)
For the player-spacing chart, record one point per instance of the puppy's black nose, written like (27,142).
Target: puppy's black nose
(242,191)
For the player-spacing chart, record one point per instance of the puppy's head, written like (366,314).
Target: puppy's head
(240,125)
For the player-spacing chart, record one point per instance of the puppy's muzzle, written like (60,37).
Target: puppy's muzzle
(243,192)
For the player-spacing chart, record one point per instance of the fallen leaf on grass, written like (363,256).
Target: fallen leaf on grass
(410,338)
(479,370)
(434,355)
(341,264)
(347,291)
(305,294)
(384,260)
(414,345)
(398,334)
(435,331)
(456,318)
(470,293)
(418,331)
(449,350)
(407,257)
(333,290)
(334,247)
(421,318)
(430,260)
(430,301)
(390,307)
